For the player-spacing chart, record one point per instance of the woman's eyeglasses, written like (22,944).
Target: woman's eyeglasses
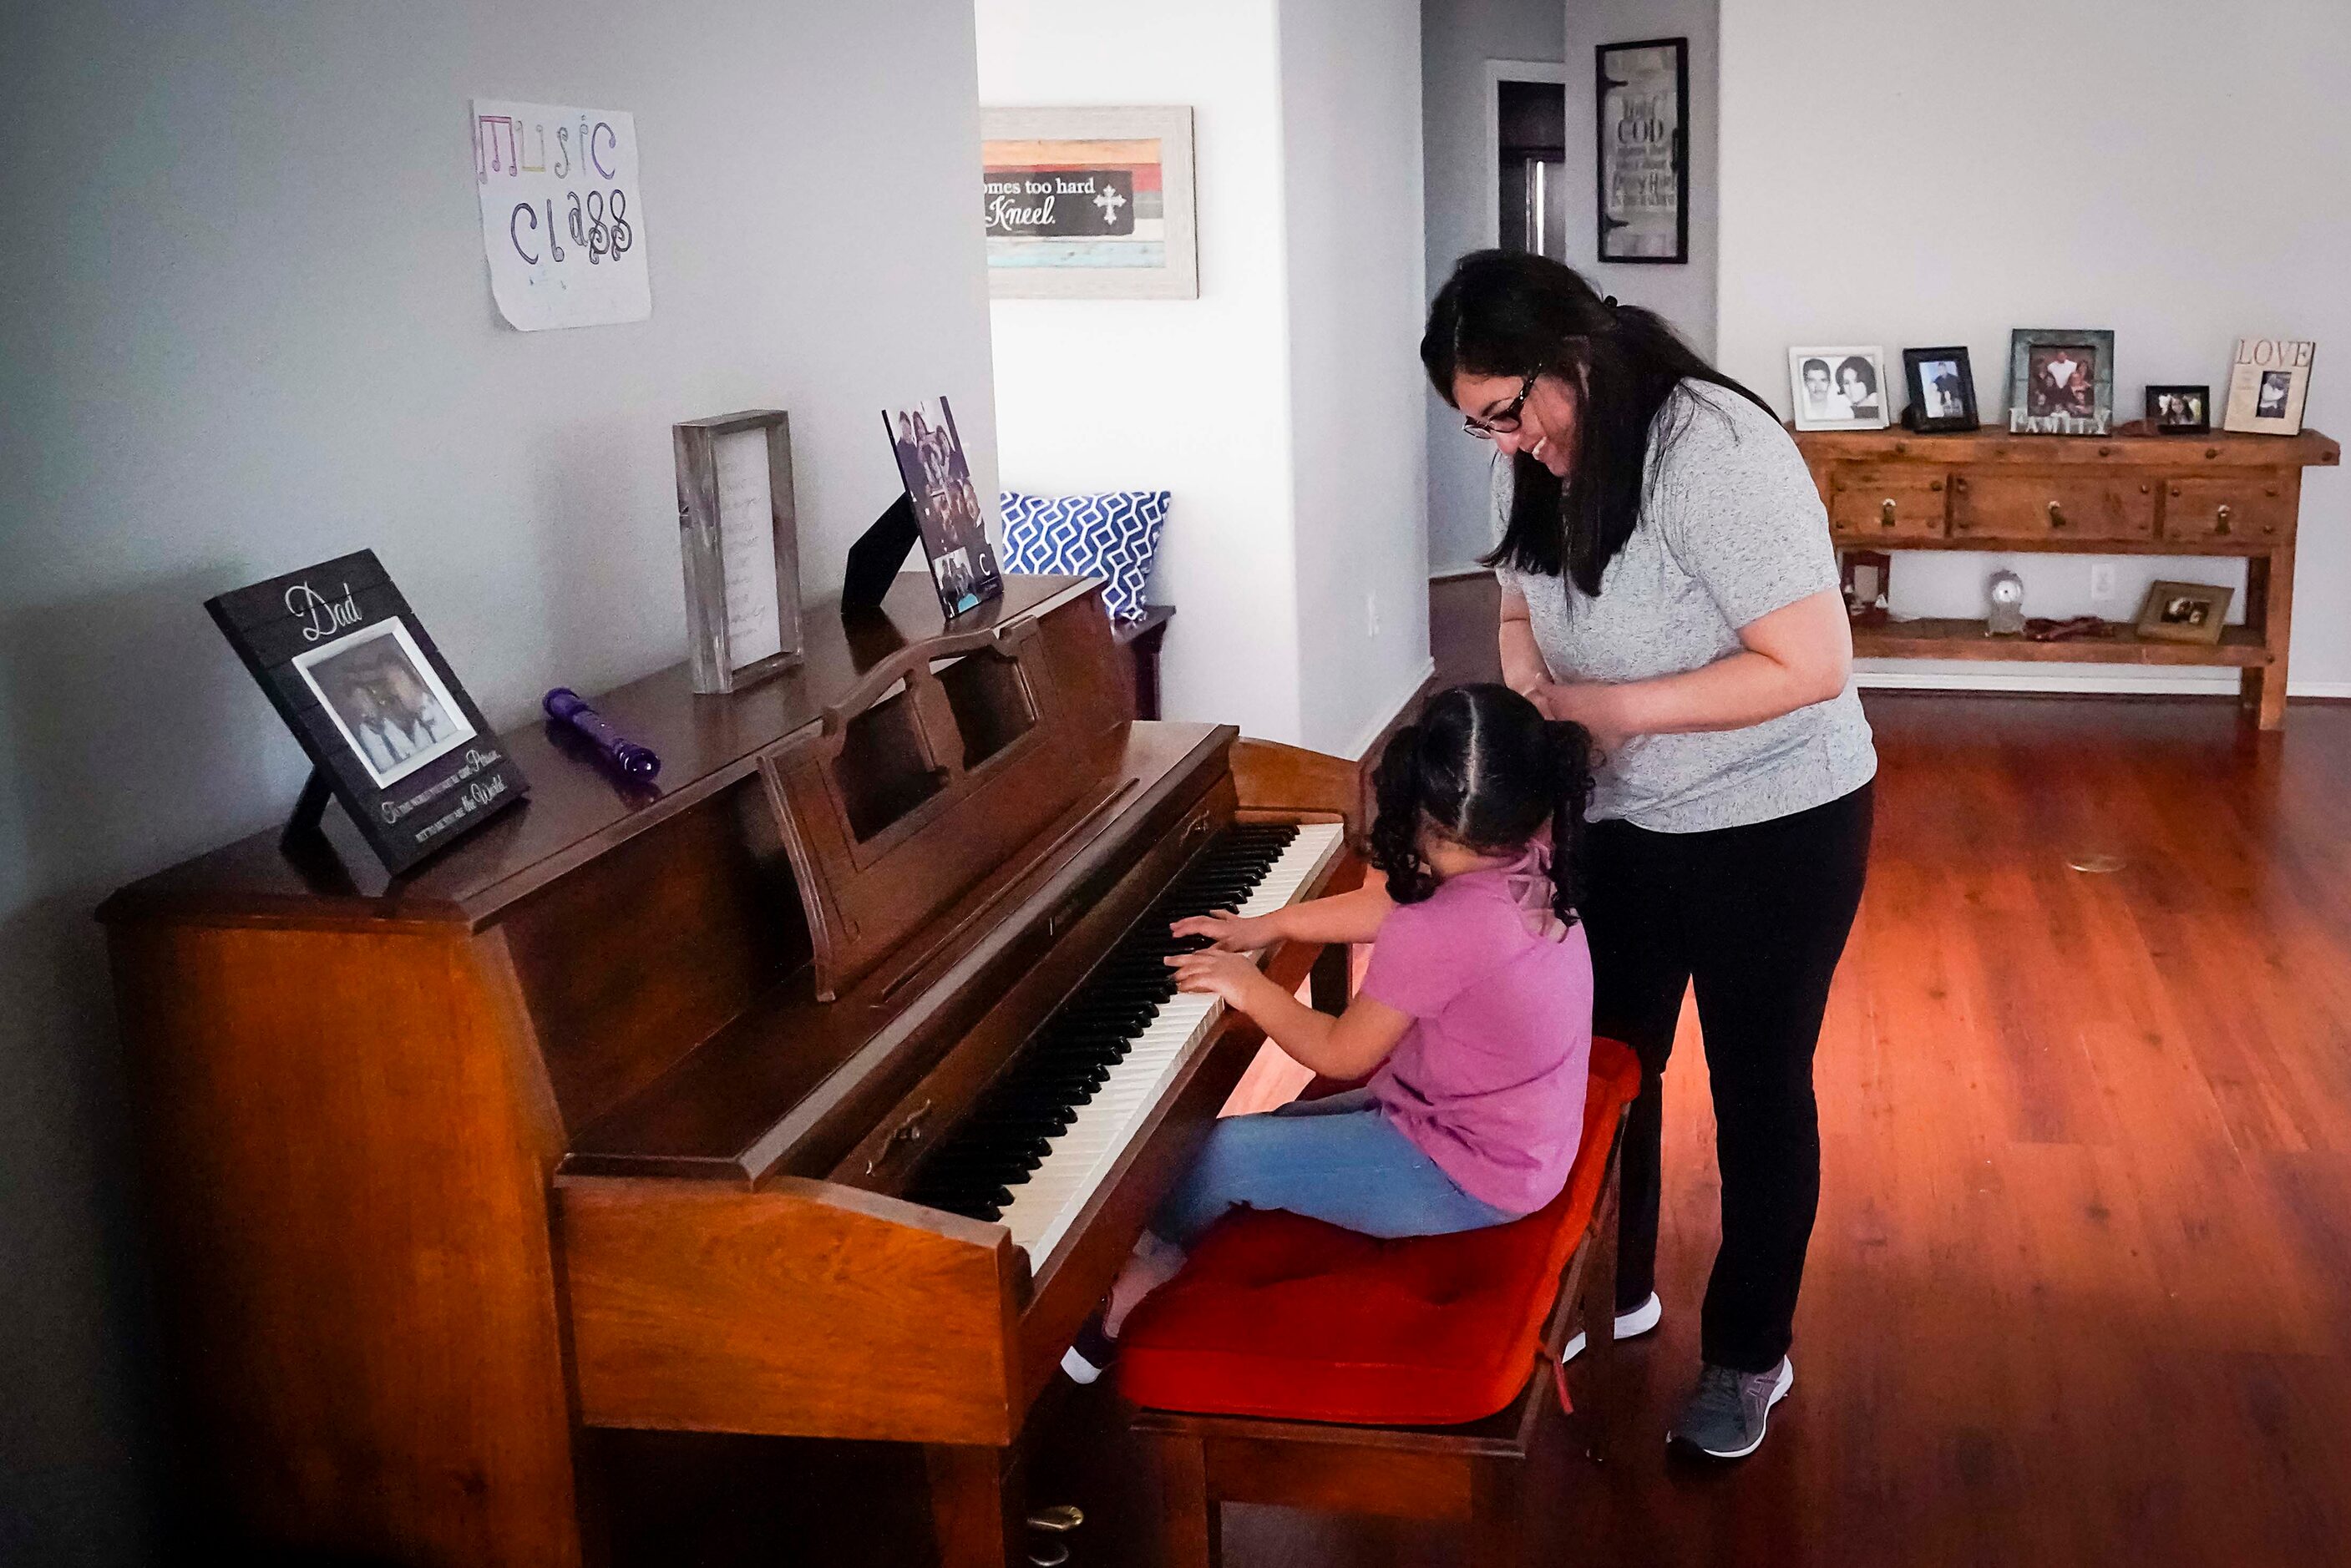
(1507,420)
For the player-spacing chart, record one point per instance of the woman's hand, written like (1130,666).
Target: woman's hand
(1225,974)
(1594,704)
(1228,933)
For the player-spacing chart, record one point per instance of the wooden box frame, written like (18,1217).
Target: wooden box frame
(2151,625)
(702,541)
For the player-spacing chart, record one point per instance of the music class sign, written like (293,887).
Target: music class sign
(562,214)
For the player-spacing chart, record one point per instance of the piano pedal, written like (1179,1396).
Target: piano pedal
(1051,1528)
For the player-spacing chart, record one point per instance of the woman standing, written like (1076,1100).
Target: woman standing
(1668,583)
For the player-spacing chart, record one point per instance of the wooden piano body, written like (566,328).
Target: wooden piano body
(597,1120)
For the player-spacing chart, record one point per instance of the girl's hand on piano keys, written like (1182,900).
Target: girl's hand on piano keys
(1227,932)
(1225,974)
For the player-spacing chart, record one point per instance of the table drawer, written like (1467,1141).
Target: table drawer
(2248,506)
(2030,507)
(1904,502)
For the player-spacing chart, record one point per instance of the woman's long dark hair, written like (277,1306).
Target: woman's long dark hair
(1506,313)
(1484,767)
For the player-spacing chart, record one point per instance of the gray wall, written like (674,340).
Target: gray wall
(1457,39)
(245,325)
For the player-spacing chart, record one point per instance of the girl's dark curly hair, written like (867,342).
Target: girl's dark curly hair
(1484,767)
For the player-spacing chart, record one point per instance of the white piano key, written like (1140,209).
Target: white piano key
(1082,1157)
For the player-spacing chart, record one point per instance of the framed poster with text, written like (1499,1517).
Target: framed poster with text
(388,730)
(1642,93)
(1088,204)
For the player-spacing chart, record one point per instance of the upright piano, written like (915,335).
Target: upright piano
(819,1091)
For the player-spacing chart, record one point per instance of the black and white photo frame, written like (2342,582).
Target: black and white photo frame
(389,732)
(1840,387)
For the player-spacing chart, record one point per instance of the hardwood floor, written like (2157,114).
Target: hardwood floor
(2080,1291)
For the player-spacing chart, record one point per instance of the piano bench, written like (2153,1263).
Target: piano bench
(1295,1362)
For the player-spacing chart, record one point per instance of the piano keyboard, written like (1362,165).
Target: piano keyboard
(1049,1133)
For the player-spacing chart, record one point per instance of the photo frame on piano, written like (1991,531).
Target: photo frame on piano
(946,504)
(389,729)
(739,534)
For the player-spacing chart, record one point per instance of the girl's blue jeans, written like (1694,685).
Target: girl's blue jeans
(1337,1159)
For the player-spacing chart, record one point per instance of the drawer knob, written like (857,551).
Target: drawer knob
(2056,515)
(2175,492)
(2221,517)
(1935,484)
(1885,511)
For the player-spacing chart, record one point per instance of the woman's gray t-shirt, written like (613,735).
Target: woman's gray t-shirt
(1731,529)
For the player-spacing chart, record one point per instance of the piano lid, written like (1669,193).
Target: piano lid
(575,810)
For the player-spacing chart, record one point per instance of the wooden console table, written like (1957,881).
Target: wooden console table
(2130,493)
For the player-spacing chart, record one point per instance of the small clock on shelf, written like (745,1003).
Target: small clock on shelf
(2007,594)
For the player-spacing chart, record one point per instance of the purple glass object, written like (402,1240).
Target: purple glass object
(632,761)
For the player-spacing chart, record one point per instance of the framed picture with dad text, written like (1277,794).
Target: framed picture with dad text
(390,733)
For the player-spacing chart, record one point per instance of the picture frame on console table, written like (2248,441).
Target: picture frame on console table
(739,533)
(2179,410)
(2269,382)
(389,728)
(2185,612)
(2061,381)
(1942,386)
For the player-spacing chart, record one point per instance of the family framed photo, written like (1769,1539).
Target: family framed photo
(388,730)
(2061,381)
(1839,389)
(2184,612)
(2268,384)
(2180,410)
(1942,386)
(946,504)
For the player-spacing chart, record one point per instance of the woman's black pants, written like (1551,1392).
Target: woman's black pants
(1757,918)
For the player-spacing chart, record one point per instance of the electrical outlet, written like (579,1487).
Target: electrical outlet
(1371,612)
(2101,579)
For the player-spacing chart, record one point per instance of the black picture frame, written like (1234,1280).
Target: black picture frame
(1676,143)
(389,728)
(2158,425)
(1915,416)
(947,509)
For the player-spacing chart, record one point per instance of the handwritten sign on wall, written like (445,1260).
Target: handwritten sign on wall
(562,214)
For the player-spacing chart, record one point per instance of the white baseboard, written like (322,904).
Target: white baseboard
(2091,683)
(1387,714)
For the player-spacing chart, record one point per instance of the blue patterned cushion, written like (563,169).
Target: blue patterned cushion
(1112,537)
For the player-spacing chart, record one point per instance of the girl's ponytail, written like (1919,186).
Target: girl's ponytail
(1397,793)
(1571,773)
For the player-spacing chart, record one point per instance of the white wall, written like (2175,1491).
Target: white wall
(1351,77)
(2018,164)
(1683,293)
(1457,39)
(245,325)
(1196,396)
(1188,395)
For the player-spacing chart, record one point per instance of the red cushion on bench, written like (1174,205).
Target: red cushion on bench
(1282,1316)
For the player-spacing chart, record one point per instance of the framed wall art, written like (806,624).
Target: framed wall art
(1089,203)
(388,730)
(739,533)
(2061,381)
(1642,94)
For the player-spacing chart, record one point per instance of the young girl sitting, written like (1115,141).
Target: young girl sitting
(1475,1011)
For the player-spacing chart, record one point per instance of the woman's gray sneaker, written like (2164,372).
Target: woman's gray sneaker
(1724,1418)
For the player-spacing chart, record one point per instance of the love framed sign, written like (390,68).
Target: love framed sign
(388,730)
